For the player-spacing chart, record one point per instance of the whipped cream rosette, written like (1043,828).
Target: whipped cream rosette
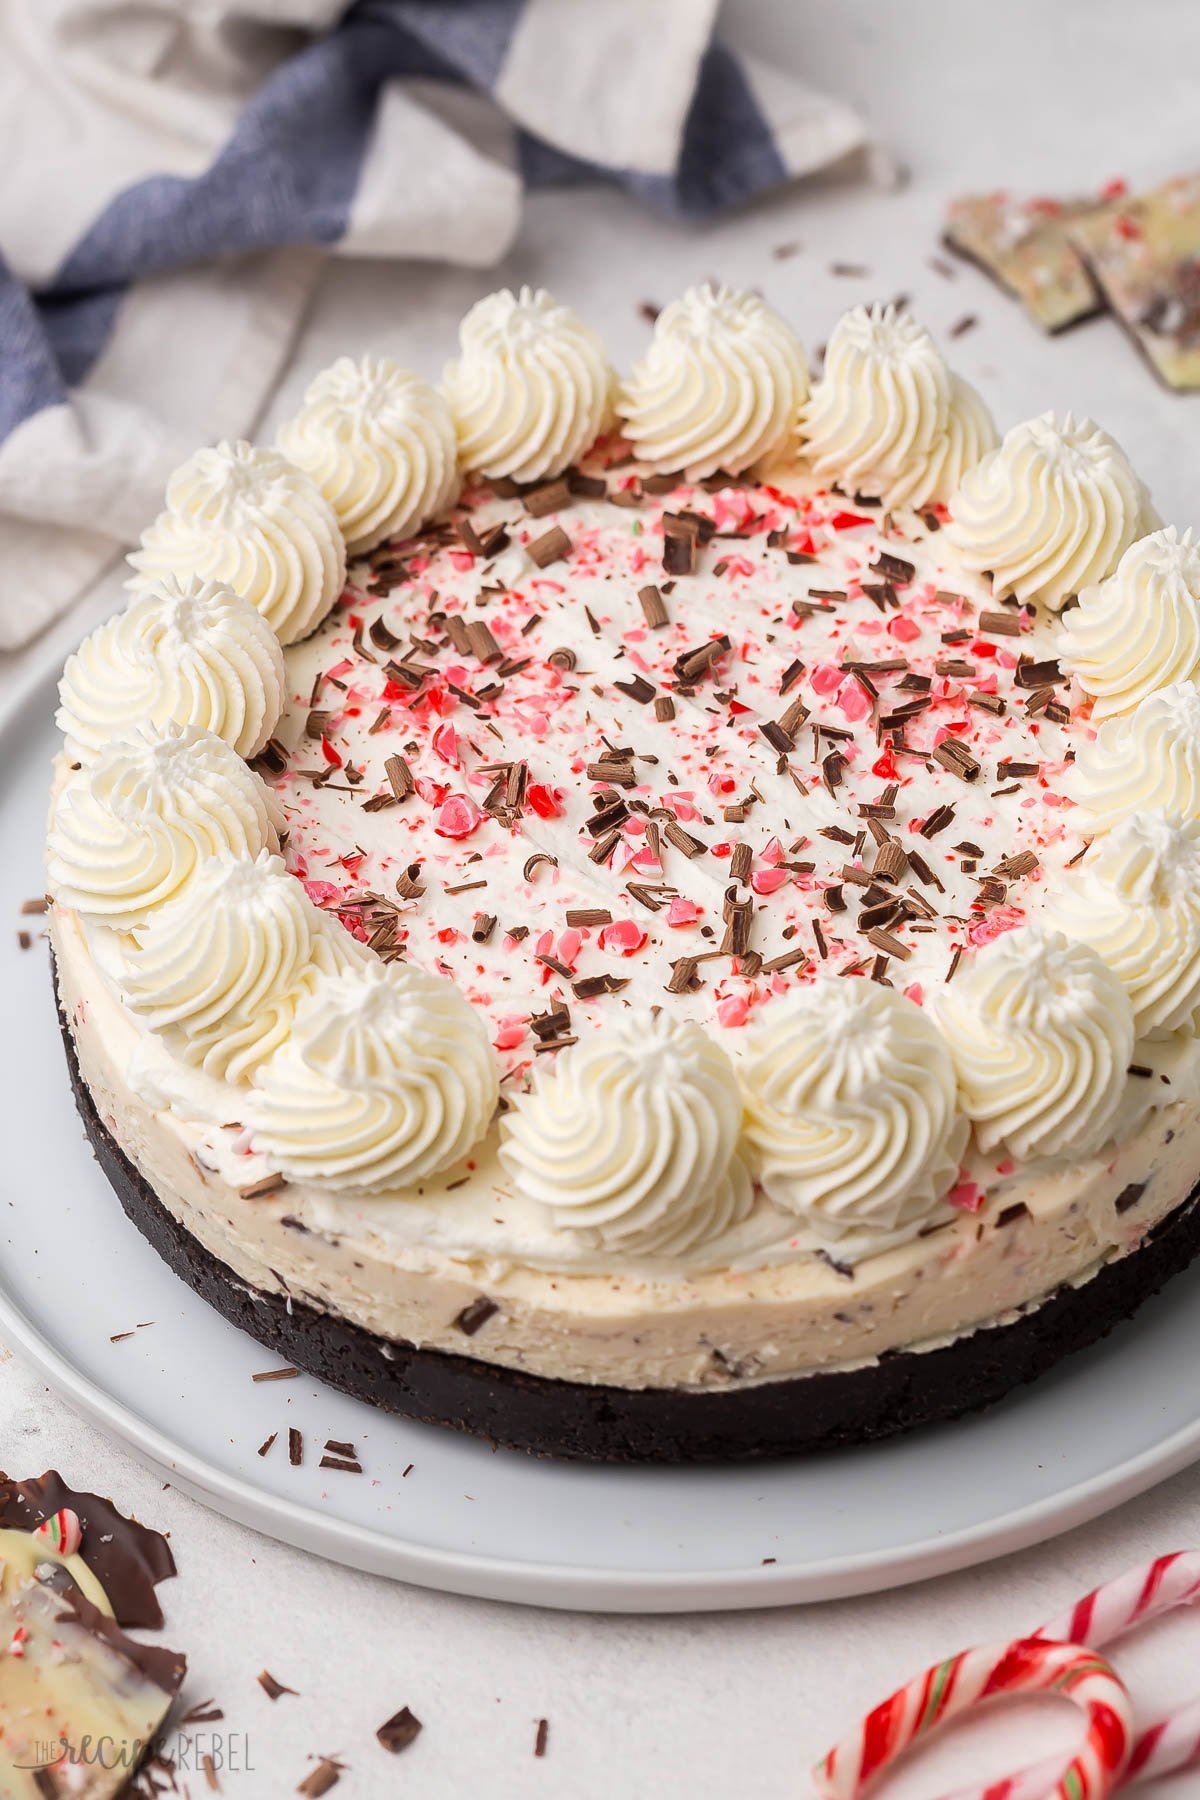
(380,444)
(631,1139)
(385,1077)
(967,435)
(1143,760)
(222,967)
(131,829)
(850,1112)
(245,515)
(531,388)
(1136,900)
(888,417)
(184,653)
(1140,629)
(719,387)
(1052,508)
(1041,1033)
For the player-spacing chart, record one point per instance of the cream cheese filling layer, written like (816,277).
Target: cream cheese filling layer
(1021,1235)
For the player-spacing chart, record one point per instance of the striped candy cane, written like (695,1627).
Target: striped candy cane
(1172,1742)
(1031,1665)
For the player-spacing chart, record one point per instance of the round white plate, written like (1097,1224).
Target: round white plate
(74,1275)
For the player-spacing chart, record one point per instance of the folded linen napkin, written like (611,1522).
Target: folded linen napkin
(177,174)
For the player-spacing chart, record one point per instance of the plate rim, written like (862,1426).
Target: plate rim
(565,1586)
(558,1585)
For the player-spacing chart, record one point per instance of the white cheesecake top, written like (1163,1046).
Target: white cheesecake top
(708,842)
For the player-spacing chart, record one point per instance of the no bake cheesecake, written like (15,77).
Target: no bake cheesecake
(647,918)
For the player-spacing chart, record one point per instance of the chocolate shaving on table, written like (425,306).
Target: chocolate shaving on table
(326,1775)
(128,1559)
(272,1688)
(295,1447)
(398,1732)
(541,1737)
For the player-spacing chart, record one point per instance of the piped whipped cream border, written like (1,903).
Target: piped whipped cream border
(374,1080)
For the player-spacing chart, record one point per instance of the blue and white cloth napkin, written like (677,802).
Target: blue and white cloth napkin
(176,172)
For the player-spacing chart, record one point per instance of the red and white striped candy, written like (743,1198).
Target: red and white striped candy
(1171,1743)
(1031,1665)
(61,1532)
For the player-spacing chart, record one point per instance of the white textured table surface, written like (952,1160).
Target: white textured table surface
(1028,96)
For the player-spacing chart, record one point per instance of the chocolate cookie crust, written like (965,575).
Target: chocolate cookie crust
(628,1425)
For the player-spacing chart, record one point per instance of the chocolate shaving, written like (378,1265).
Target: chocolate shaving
(1013,867)
(957,759)
(541,1737)
(683,840)
(295,1447)
(398,1732)
(475,1315)
(891,568)
(551,497)
(326,1775)
(653,608)
(1010,1214)
(272,1688)
(679,547)
(939,818)
(533,864)
(482,643)
(778,736)
(549,547)
(1046,673)
(1000,623)
(590,987)
(684,976)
